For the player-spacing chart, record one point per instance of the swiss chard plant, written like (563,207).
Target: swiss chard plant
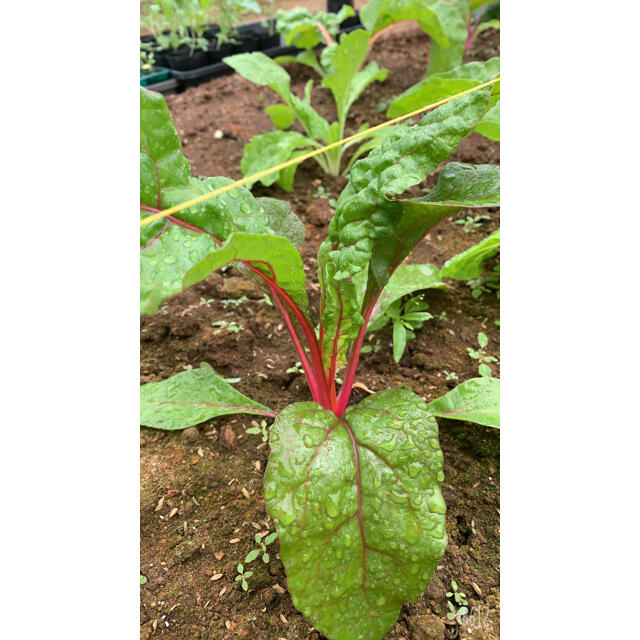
(340,67)
(354,490)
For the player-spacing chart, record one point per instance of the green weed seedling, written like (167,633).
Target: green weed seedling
(461,605)
(450,375)
(471,223)
(296,368)
(252,555)
(244,576)
(259,430)
(479,354)
(406,318)
(224,325)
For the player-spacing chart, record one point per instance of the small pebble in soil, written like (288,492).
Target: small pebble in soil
(191,435)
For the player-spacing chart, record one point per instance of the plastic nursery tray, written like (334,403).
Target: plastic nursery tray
(193,77)
(157,75)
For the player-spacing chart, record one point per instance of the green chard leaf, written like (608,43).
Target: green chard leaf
(274,255)
(191,397)
(476,400)
(281,115)
(406,279)
(374,230)
(298,26)
(437,86)
(341,74)
(171,251)
(161,161)
(270,149)
(468,264)
(283,220)
(443,20)
(358,509)
(261,69)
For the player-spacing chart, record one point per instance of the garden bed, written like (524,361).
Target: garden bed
(201,489)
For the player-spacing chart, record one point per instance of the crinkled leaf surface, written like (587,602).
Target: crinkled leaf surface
(468,264)
(435,87)
(273,255)
(269,149)
(283,220)
(358,508)
(374,230)
(191,397)
(476,400)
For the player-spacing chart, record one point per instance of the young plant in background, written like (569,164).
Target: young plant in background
(480,355)
(354,490)
(339,64)
(304,30)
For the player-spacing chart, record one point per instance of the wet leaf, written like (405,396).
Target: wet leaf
(358,509)
(476,400)
(191,397)
(468,264)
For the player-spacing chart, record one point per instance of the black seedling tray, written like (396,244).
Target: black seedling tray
(189,71)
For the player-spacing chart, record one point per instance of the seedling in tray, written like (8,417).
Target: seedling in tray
(354,490)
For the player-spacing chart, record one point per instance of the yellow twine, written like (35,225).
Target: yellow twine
(306,156)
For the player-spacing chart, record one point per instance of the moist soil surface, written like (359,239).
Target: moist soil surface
(202,488)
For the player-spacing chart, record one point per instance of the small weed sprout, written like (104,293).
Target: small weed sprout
(471,223)
(461,605)
(479,354)
(450,375)
(234,302)
(297,368)
(244,576)
(252,555)
(224,325)
(206,301)
(259,429)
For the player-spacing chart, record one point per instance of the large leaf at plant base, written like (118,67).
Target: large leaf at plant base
(443,20)
(164,263)
(358,508)
(262,70)
(476,400)
(372,229)
(191,397)
(406,279)
(283,220)
(275,256)
(270,149)
(298,26)
(161,161)
(435,87)
(468,264)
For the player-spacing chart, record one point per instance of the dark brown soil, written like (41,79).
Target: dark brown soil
(201,489)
